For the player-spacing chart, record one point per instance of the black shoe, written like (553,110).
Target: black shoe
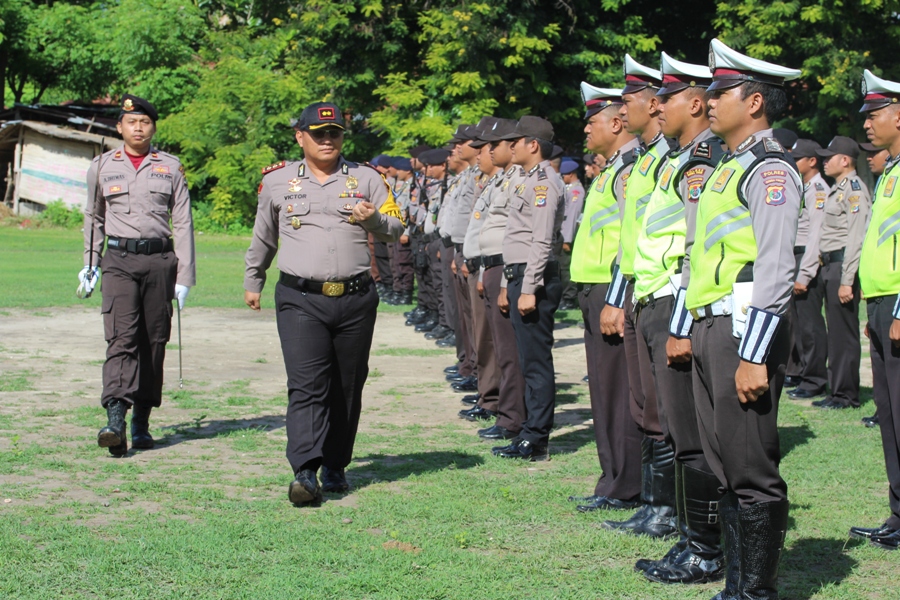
(820,403)
(513,444)
(525,450)
(404,298)
(113,435)
(585,378)
(804,394)
(428,325)
(452,369)
(334,481)
(140,428)
(660,522)
(415,318)
(447,341)
(304,489)
(455,377)
(866,533)
(470,384)
(419,310)
(792,381)
(437,333)
(835,405)
(762,530)
(567,305)
(889,541)
(645,564)
(471,399)
(496,433)
(477,414)
(604,503)
(871,421)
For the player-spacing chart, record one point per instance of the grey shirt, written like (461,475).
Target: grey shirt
(493,230)
(574,206)
(138,203)
(847,212)
(815,194)
(465,200)
(485,188)
(312,220)
(448,206)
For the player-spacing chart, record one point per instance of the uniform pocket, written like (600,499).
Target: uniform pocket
(109,317)
(116,195)
(160,193)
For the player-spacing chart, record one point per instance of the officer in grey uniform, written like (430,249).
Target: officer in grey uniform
(533,288)
(847,211)
(810,338)
(740,283)
(322,209)
(137,191)
(401,252)
(574,205)
(435,162)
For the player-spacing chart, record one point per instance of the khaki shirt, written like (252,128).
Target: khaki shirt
(312,219)
(535,216)
(815,194)
(847,212)
(574,206)
(138,203)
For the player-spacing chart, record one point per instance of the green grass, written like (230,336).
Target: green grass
(16,381)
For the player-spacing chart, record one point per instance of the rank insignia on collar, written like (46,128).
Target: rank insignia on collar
(345,169)
(820,187)
(301,170)
(352,183)
(294,185)
(154,155)
(270,168)
(118,155)
(745,144)
(295,222)
(542,175)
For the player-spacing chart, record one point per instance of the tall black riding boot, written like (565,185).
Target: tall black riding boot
(644,564)
(646,491)
(660,522)
(701,559)
(731,545)
(113,435)
(763,527)
(140,428)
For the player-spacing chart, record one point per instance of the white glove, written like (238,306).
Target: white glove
(181,294)
(87,281)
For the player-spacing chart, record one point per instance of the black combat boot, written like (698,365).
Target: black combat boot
(731,545)
(763,527)
(700,560)
(405,298)
(646,491)
(645,564)
(140,428)
(660,521)
(113,435)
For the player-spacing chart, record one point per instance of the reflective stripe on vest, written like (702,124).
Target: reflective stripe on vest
(637,196)
(596,244)
(878,269)
(724,242)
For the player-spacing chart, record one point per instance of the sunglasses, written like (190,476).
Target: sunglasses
(332,133)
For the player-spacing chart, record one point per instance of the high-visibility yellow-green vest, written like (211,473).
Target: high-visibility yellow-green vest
(879,274)
(640,186)
(596,244)
(660,242)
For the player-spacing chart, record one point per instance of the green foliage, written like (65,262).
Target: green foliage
(59,214)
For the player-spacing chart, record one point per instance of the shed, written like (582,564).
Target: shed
(45,162)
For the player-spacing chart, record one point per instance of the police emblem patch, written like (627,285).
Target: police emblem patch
(352,183)
(775,195)
(540,195)
(294,185)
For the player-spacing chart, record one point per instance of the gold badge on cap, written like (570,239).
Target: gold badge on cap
(295,185)
(128,104)
(295,222)
(352,183)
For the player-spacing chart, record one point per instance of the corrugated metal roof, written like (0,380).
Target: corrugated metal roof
(10,133)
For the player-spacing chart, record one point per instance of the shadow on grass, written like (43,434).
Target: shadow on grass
(572,441)
(394,467)
(811,564)
(794,436)
(569,342)
(191,430)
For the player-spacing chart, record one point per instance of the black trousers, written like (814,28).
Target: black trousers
(886,375)
(137,310)
(674,386)
(511,398)
(402,266)
(383,260)
(740,441)
(844,346)
(437,281)
(422,269)
(325,342)
(810,336)
(570,288)
(644,407)
(534,341)
(617,435)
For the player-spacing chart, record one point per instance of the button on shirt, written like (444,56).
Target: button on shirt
(847,211)
(535,215)
(138,203)
(312,219)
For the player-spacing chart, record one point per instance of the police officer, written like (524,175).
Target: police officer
(137,191)
(594,254)
(401,252)
(510,405)
(640,111)
(435,162)
(574,205)
(810,338)
(847,210)
(533,288)
(740,282)
(658,267)
(881,286)
(321,208)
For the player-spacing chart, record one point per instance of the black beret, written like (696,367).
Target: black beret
(134,105)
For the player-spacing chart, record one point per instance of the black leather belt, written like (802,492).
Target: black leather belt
(473,264)
(826,258)
(133,246)
(799,250)
(332,289)
(447,242)
(495,260)
(517,270)
(458,247)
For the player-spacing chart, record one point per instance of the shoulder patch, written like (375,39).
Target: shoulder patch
(772,145)
(703,150)
(542,174)
(775,194)
(275,167)
(854,185)
(820,187)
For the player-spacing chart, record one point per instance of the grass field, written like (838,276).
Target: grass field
(433,515)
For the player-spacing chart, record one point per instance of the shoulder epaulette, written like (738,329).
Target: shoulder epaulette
(708,151)
(275,167)
(854,185)
(773,145)
(542,174)
(820,187)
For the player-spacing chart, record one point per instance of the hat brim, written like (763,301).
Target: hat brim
(873,106)
(674,88)
(318,126)
(631,88)
(590,112)
(478,143)
(725,84)
(826,153)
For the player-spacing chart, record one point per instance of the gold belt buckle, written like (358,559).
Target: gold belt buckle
(332,289)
